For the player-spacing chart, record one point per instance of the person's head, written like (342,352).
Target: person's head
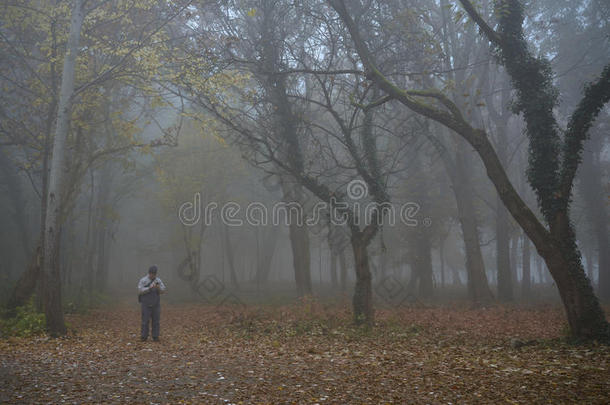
(152,272)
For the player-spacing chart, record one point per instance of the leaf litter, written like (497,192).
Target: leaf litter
(308,353)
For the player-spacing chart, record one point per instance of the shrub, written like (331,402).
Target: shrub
(26,322)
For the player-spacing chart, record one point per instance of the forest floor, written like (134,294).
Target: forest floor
(307,353)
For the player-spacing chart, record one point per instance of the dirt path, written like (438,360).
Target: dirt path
(306,355)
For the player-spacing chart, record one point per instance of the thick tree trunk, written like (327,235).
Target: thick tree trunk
(362,301)
(50,270)
(585,316)
(68,252)
(51,282)
(29,279)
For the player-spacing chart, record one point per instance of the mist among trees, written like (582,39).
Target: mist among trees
(331,170)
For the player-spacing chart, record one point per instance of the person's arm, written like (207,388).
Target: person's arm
(161,286)
(143,286)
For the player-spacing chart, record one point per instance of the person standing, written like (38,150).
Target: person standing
(150,287)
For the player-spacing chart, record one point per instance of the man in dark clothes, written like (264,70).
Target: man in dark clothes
(149,289)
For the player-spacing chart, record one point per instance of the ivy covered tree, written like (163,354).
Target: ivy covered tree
(553,158)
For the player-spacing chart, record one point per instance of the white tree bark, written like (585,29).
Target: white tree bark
(50,273)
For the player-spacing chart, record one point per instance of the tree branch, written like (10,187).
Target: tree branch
(477,138)
(489,32)
(596,95)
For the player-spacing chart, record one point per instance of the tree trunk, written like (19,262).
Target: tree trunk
(526,278)
(337,242)
(26,284)
(383,257)
(263,265)
(421,265)
(457,281)
(101,274)
(301,260)
(286,127)
(588,253)
(585,316)
(299,238)
(18,202)
(68,251)
(540,268)
(591,186)
(333,270)
(425,266)
(500,116)
(441,256)
(50,270)
(343,272)
(459,176)
(230,258)
(603,262)
(514,253)
(505,285)
(478,286)
(362,301)
(102,226)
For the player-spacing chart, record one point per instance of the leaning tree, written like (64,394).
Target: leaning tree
(553,158)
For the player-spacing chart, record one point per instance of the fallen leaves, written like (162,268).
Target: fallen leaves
(307,355)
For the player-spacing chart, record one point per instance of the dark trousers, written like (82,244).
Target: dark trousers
(148,313)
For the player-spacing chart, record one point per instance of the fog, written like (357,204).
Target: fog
(386,154)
